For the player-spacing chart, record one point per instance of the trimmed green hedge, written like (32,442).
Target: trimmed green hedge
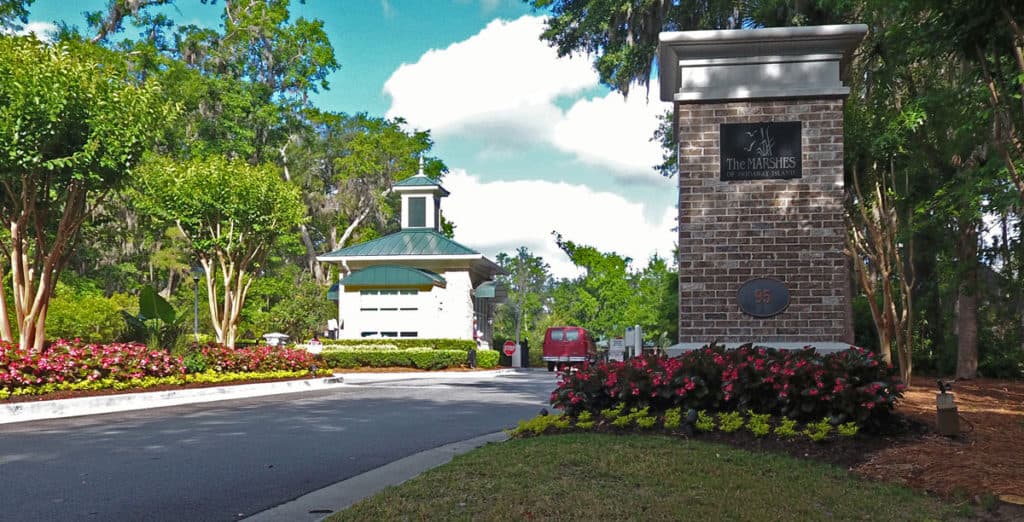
(369,347)
(487,358)
(422,358)
(404,343)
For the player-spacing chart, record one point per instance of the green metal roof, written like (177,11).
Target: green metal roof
(486,290)
(420,180)
(408,242)
(392,276)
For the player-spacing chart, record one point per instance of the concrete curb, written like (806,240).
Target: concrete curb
(321,503)
(55,409)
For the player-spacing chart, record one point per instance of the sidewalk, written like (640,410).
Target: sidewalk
(55,409)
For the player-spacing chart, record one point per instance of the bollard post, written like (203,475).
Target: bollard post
(947,418)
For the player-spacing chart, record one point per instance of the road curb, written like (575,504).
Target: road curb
(56,409)
(326,501)
(97,405)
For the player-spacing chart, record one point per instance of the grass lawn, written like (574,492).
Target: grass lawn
(609,477)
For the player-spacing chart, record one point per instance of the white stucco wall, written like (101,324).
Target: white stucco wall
(441,313)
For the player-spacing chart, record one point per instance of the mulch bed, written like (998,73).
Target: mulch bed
(986,459)
(983,465)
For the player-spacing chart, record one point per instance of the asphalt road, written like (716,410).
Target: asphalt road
(228,460)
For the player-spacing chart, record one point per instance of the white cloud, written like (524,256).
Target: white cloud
(613,131)
(44,31)
(503,215)
(504,79)
(502,83)
(387,9)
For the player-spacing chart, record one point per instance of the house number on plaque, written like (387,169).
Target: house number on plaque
(763,297)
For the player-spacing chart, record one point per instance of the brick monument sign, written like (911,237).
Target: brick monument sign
(760,140)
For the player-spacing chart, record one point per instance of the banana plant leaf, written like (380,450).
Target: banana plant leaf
(152,306)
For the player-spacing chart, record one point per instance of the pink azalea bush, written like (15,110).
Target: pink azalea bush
(852,385)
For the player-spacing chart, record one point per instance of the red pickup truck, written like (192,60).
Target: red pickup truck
(568,345)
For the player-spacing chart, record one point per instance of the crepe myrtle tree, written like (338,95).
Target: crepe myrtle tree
(230,213)
(72,128)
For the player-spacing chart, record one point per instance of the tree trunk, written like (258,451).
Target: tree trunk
(225,314)
(6,333)
(166,292)
(874,242)
(967,305)
(319,274)
(351,228)
(307,241)
(211,295)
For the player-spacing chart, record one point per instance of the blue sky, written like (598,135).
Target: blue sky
(533,142)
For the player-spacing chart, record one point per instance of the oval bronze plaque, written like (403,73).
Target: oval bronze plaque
(763,297)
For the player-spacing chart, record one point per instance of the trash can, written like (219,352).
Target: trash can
(524,349)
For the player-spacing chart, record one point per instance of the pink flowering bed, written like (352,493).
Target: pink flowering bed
(76,365)
(852,385)
(69,361)
(262,358)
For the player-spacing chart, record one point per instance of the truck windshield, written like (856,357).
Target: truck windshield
(572,335)
(556,334)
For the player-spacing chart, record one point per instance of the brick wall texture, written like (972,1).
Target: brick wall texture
(790,230)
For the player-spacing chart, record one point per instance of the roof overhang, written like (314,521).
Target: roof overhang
(349,259)
(422,189)
(392,276)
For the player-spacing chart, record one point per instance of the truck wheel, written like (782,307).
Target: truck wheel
(551,366)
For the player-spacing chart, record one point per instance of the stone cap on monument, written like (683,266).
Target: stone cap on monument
(752,64)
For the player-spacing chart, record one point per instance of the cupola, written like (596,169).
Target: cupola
(421,201)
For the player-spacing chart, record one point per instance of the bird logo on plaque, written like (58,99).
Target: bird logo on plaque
(762,140)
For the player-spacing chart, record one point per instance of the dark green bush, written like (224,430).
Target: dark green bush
(195,362)
(405,343)
(1008,364)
